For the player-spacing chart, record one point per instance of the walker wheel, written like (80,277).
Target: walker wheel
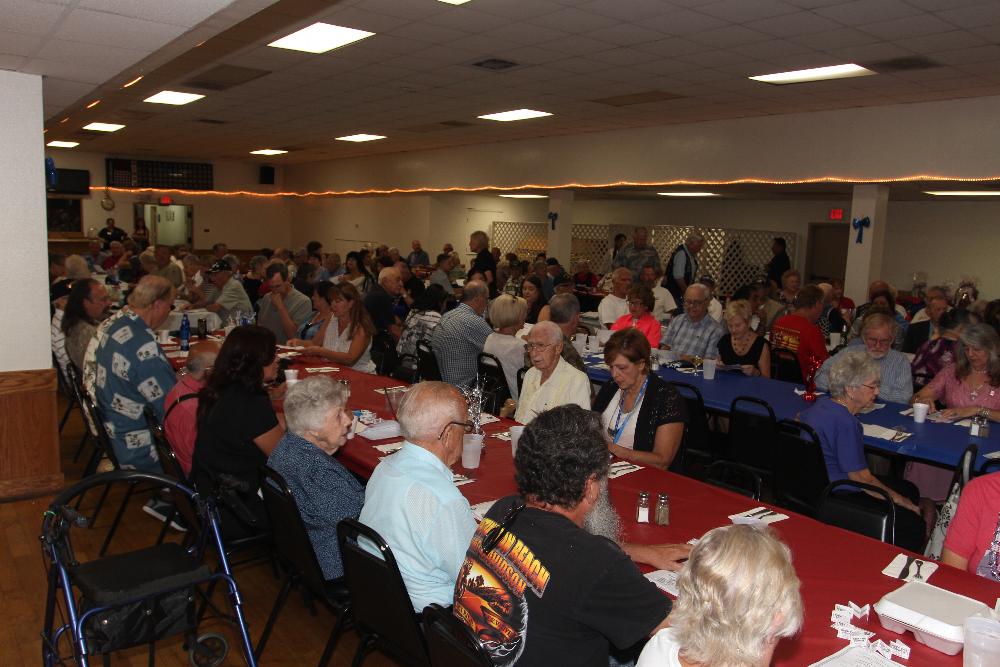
(210,650)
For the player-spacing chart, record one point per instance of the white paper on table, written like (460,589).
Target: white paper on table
(802,392)
(382,430)
(992,455)
(486,418)
(665,580)
(503,435)
(291,347)
(758,515)
(883,433)
(401,388)
(287,355)
(460,479)
(622,468)
(177,354)
(854,656)
(898,564)
(479,510)
(873,408)
(322,369)
(389,448)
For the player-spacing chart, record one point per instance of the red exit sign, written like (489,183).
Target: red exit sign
(836,214)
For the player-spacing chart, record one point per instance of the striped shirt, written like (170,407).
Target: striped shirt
(896,384)
(457,342)
(694,339)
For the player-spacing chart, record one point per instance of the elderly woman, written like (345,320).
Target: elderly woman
(639,316)
(737,596)
(933,355)
(791,282)
(550,381)
(507,315)
(831,319)
(254,278)
(534,295)
(741,346)
(318,421)
(643,415)
(584,278)
(347,334)
(853,382)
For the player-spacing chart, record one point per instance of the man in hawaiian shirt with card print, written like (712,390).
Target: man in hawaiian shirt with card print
(125,369)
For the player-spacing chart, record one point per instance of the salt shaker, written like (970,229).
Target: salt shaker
(642,508)
(662,513)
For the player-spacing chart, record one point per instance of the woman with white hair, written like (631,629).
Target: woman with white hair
(550,381)
(318,420)
(507,315)
(738,596)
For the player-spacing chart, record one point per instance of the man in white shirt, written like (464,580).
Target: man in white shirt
(615,304)
(664,300)
(551,381)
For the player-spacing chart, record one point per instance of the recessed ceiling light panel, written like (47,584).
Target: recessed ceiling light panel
(63,144)
(320,38)
(357,138)
(963,193)
(688,194)
(516,114)
(454,2)
(268,151)
(525,196)
(173,97)
(815,74)
(103,127)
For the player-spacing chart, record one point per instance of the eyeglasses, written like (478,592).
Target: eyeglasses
(694,302)
(874,387)
(636,303)
(466,425)
(536,346)
(493,538)
(879,342)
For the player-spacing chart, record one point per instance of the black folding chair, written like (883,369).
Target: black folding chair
(785,365)
(857,513)
(734,477)
(383,612)
(520,378)
(752,432)
(799,469)
(407,370)
(298,559)
(427,364)
(66,389)
(698,442)
(383,353)
(450,642)
(494,381)
(75,388)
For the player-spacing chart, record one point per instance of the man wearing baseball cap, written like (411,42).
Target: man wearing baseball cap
(232,296)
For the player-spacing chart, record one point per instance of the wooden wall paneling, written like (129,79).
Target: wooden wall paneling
(29,434)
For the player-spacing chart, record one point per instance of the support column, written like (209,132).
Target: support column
(864,260)
(560,239)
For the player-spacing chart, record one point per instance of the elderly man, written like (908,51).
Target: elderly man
(231,295)
(615,305)
(180,415)
(484,261)
(461,335)
(550,381)
(682,269)
(283,309)
(113,255)
(95,256)
(167,269)
(798,332)
(934,292)
(380,302)
(693,333)
(219,250)
(664,304)
(412,286)
(928,329)
(442,268)
(411,500)
(333,265)
(878,331)
(125,370)
(418,257)
(564,312)
(196,290)
(544,580)
(638,254)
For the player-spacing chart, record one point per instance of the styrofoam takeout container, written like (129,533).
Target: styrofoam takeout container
(934,616)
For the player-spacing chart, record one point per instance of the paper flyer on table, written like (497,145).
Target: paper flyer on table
(479,510)
(665,580)
(854,656)
(757,515)
(460,479)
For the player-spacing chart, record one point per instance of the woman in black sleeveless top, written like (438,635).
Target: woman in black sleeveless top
(741,346)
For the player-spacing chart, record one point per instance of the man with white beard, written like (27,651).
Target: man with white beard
(545,580)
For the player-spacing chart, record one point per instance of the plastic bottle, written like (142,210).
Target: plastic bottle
(185,333)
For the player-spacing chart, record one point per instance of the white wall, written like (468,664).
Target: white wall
(24,343)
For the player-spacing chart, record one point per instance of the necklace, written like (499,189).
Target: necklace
(616,431)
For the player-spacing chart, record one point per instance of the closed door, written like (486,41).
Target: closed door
(827,255)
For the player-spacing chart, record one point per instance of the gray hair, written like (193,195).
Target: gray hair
(202,356)
(473,290)
(191,259)
(737,592)
(694,236)
(426,408)
(149,290)
(309,402)
(387,272)
(706,293)
(549,331)
(507,310)
(232,260)
(77,268)
(255,261)
(563,308)
(851,368)
(984,337)
(876,320)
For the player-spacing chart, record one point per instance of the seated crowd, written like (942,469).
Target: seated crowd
(374,311)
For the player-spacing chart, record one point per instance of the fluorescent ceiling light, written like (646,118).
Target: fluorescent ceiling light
(320,38)
(103,127)
(63,144)
(688,194)
(454,2)
(361,137)
(526,196)
(173,97)
(963,193)
(815,74)
(268,151)
(517,114)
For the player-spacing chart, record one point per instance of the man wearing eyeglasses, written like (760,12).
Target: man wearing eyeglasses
(411,499)
(878,333)
(694,334)
(545,580)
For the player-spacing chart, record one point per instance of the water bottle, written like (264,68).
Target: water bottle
(185,333)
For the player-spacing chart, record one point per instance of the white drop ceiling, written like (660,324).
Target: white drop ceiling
(414,81)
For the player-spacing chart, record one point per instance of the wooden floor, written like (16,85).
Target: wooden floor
(298,638)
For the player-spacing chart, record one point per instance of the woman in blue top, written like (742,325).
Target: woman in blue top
(854,384)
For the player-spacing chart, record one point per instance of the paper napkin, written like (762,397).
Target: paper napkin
(758,515)
(905,567)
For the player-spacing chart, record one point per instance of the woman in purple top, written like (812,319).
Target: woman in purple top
(934,355)
(854,384)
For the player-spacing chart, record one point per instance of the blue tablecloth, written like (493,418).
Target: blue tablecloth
(931,442)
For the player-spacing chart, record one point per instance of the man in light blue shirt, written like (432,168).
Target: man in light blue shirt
(878,333)
(412,501)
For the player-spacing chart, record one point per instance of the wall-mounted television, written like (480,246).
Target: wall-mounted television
(71,182)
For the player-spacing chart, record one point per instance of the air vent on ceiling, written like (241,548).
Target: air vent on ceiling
(223,77)
(212,121)
(637,98)
(495,64)
(903,64)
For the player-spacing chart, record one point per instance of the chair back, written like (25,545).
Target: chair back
(427,364)
(407,369)
(381,605)
(697,439)
(965,469)
(171,466)
(785,365)
(734,477)
(520,378)
(77,391)
(494,381)
(799,469)
(866,518)
(96,420)
(383,353)
(753,430)
(291,539)
(450,642)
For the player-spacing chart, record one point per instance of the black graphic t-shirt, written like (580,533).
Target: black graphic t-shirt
(550,593)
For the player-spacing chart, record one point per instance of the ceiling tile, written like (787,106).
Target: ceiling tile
(31,18)
(635,10)
(572,20)
(733,35)
(791,25)
(741,11)
(910,26)
(972,16)
(93,27)
(868,11)
(682,22)
(17,44)
(185,13)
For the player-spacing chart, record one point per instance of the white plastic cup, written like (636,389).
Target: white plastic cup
(834,339)
(603,335)
(163,337)
(472,450)
(291,375)
(982,642)
(515,436)
(920,414)
(592,343)
(580,343)
(708,366)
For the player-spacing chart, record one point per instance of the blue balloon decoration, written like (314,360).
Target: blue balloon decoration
(50,172)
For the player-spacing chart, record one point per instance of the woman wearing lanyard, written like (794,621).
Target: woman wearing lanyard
(643,415)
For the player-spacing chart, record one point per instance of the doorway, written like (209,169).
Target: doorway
(168,225)
(826,257)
